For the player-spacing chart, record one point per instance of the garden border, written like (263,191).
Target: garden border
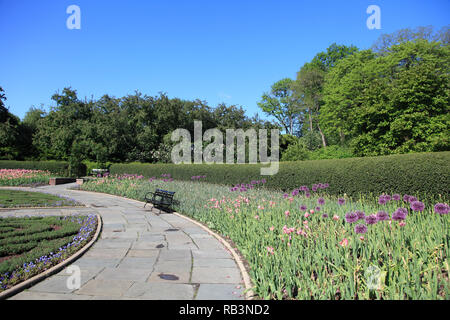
(41,276)
(249,294)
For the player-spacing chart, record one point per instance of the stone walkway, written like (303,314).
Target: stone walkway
(139,255)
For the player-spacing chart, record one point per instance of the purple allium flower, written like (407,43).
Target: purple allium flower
(314,188)
(263,181)
(406,198)
(351,217)
(387,197)
(341,201)
(325,215)
(382,215)
(412,199)
(303,207)
(321,201)
(360,228)
(441,208)
(295,192)
(400,214)
(396,197)
(307,194)
(317,208)
(371,219)
(382,199)
(326,185)
(285,195)
(361,215)
(417,206)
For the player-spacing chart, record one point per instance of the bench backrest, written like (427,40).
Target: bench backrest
(166,196)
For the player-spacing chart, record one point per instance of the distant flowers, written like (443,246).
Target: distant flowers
(197,178)
(243,187)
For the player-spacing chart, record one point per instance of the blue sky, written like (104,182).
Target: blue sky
(218,51)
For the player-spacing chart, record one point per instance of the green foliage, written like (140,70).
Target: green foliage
(426,173)
(331,152)
(60,168)
(299,151)
(394,103)
(282,104)
(295,152)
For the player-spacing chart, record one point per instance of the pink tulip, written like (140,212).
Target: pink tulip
(344,242)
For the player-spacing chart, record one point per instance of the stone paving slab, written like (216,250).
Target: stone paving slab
(215,275)
(208,291)
(112,288)
(141,254)
(161,291)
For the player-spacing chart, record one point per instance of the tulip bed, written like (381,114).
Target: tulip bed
(31,245)
(308,245)
(23,177)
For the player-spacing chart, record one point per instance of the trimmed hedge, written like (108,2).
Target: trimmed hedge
(55,167)
(424,173)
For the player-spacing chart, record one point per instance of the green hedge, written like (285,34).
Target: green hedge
(55,167)
(425,173)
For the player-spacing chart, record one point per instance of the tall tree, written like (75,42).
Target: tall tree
(310,81)
(282,104)
(392,103)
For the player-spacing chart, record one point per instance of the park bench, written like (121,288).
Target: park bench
(160,199)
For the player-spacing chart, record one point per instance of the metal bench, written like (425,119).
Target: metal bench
(160,199)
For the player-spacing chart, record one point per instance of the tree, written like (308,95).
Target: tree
(386,41)
(310,80)
(392,103)
(282,104)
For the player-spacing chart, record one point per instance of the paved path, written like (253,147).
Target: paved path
(140,255)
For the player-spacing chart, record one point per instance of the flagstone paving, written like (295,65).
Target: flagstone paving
(139,255)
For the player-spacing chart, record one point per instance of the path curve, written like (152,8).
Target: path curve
(139,255)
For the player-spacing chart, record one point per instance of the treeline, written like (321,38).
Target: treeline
(134,128)
(345,102)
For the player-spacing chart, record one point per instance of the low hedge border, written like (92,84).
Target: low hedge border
(424,173)
(55,167)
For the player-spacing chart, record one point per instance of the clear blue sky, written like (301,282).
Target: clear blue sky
(218,51)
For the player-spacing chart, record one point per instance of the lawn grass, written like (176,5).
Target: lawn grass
(16,199)
(30,245)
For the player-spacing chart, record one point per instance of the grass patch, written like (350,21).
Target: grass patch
(16,199)
(30,245)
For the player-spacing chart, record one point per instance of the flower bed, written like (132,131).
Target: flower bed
(31,245)
(21,199)
(23,177)
(308,245)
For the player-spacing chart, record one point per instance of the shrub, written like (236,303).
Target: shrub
(426,173)
(330,152)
